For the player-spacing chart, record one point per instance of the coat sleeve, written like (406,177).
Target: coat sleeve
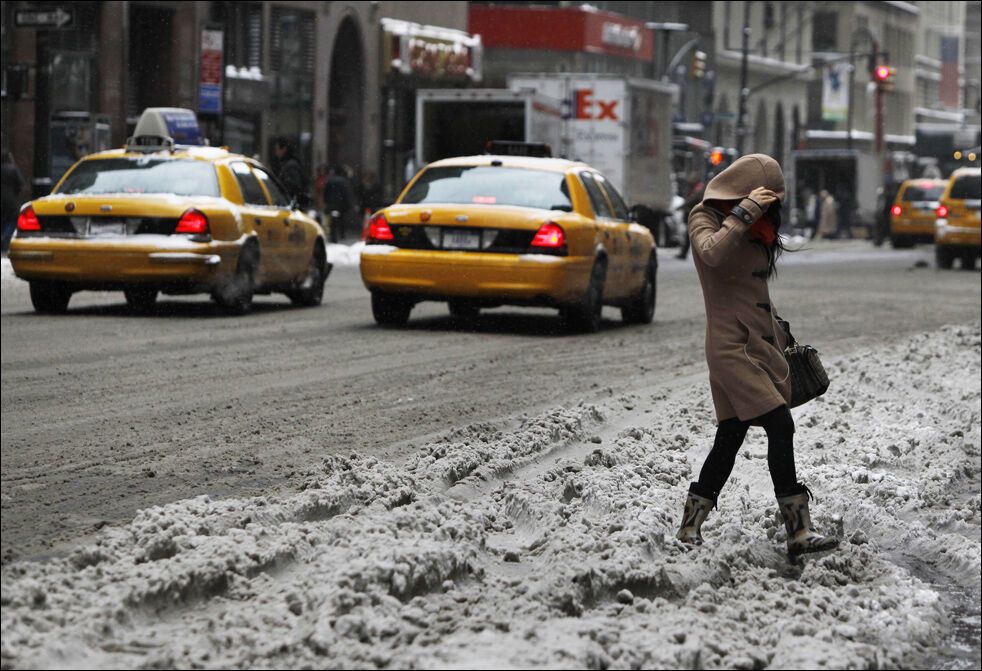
(714,244)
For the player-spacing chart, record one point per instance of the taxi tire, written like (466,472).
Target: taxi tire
(642,309)
(586,317)
(140,301)
(235,298)
(463,309)
(50,297)
(968,260)
(901,241)
(390,309)
(944,258)
(309,292)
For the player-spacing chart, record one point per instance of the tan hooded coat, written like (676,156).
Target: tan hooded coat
(745,345)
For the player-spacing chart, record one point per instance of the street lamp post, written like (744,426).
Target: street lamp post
(741,130)
(862,31)
(666,29)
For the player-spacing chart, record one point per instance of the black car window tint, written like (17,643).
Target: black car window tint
(276,192)
(620,208)
(252,193)
(597,201)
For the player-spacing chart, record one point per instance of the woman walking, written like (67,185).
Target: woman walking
(735,243)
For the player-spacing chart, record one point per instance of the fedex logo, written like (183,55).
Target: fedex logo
(585,106)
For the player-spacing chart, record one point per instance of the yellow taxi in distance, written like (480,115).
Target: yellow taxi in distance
(913,213)
(490,230)
(157,216)
(957,232)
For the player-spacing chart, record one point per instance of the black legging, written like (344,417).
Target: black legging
(779,426)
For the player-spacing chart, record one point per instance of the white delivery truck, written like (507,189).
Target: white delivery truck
(620,126)
(461,122)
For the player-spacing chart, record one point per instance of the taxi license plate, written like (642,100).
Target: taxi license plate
(461,240)
(100,229)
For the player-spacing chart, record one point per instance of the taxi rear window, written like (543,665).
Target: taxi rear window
(966,187)
(142,175)
(491,185)
(923,192)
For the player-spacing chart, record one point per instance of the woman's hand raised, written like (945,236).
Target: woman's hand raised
(763,197)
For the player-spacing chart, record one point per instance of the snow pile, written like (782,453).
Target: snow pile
(551,544)
(344,255)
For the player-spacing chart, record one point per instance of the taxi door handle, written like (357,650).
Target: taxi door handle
(286,222)
(259,222)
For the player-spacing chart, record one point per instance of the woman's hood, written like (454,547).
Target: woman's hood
(746,174)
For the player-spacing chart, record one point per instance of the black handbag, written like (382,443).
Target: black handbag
(808,377)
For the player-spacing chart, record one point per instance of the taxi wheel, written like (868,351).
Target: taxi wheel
(390,309)
(901,241)
(463,309)
(642,308)
(968,260)
(50,297)
(586,317)
(235,297)
(141,301)
(309,292)
(943,257)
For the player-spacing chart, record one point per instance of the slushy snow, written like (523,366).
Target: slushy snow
(549,542)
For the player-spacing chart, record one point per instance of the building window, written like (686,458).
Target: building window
(243,23)
(825,31)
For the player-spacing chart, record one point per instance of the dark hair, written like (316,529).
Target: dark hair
(774,251)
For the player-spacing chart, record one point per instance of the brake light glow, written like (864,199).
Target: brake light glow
(550,236)
(896,210)
(379,230)
(28,221)
(942,211)
(193,222)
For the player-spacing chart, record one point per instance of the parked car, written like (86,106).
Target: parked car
(913,212)
(157,216)
(490,230)
(957,227)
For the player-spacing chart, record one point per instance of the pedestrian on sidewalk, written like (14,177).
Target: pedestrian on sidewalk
(828,216)
(736,244)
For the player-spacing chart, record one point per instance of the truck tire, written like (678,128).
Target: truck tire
(50,297)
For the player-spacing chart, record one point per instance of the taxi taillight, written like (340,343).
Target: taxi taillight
(193,222)
(549,236)
(942,211)
(379,230)
(28,221)
(897,210)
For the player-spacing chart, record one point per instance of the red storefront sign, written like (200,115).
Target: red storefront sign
(561,29)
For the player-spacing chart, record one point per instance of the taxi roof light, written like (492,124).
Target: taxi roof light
(27,220)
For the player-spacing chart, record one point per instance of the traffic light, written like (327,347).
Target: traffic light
(716,157)
(886,77)
(697,68)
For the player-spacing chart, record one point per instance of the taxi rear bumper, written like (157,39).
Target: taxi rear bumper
(521,279)
(144,260)
(950,235)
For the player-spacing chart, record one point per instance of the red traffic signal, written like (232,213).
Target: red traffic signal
(716,157)
(885,76)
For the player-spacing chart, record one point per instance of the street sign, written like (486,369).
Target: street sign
(57,19)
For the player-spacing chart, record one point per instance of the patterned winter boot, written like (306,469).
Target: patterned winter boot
(696,510)
(802,536)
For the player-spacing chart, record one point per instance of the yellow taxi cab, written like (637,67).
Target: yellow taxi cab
(483,231)
(165,216)
(913,213)
(957,232)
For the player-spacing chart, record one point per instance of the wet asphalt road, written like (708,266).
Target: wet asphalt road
(105,413)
